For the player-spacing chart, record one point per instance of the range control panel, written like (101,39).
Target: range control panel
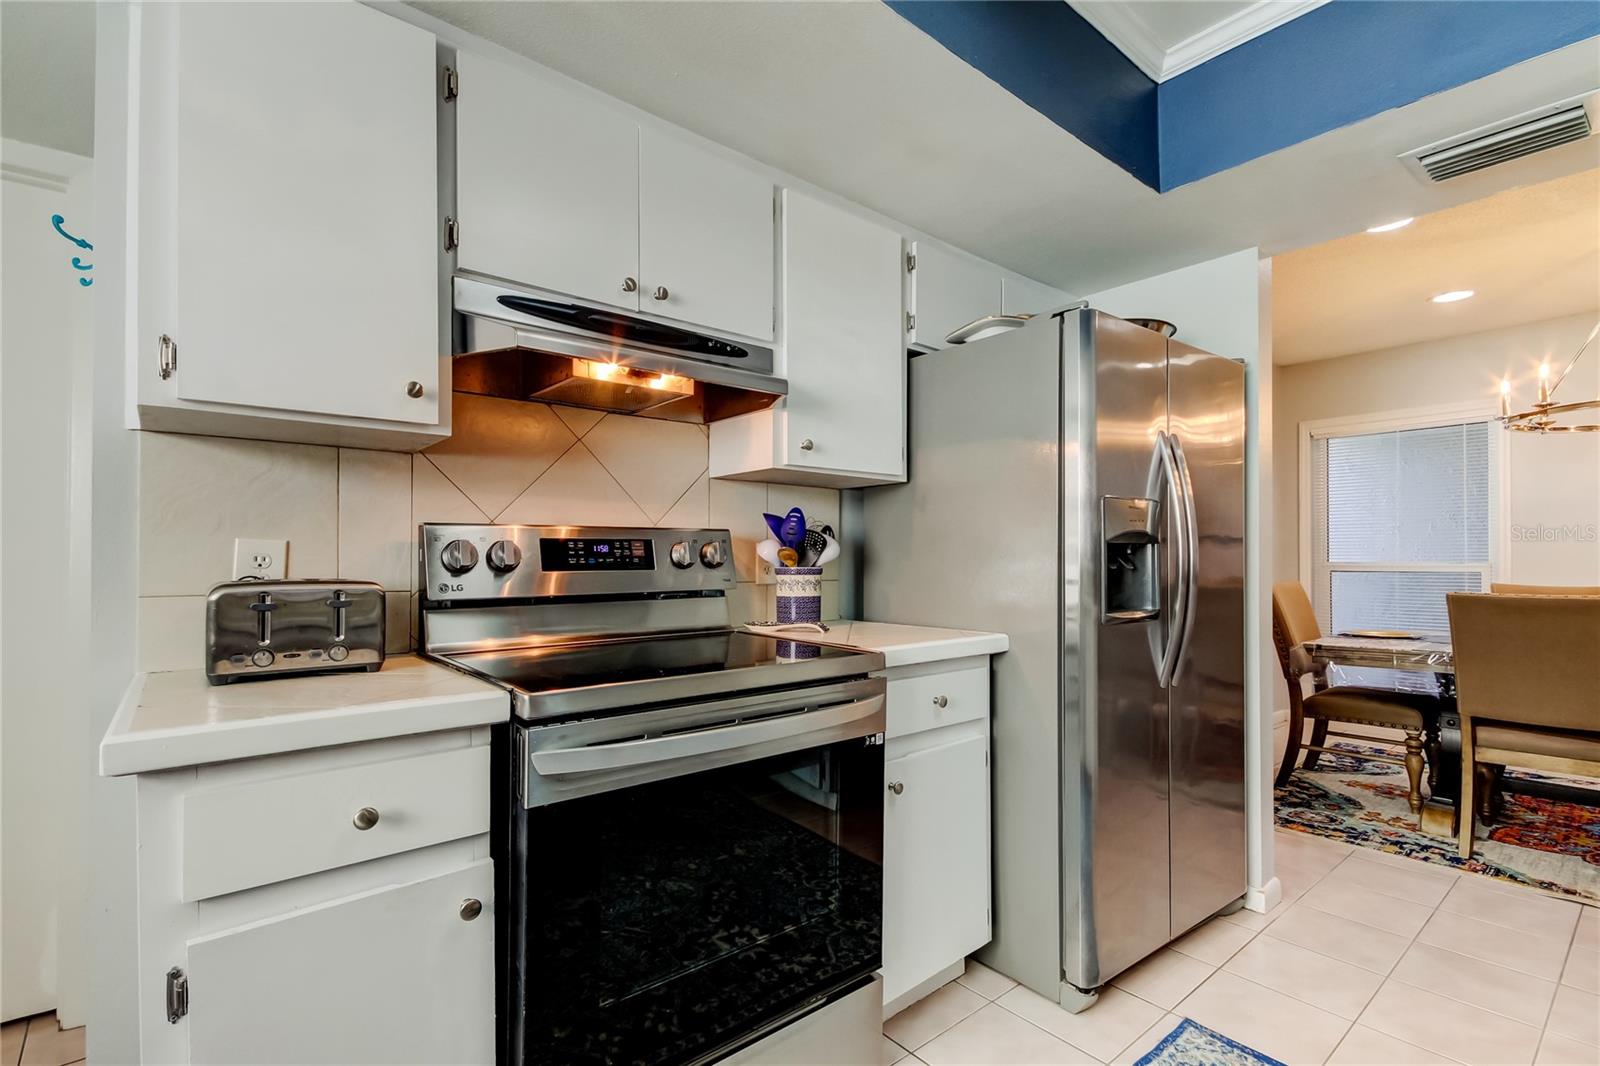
(487,562)
(558,554)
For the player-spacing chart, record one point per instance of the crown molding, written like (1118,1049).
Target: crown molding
(1117,23)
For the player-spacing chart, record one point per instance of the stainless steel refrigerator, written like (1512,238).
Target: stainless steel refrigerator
(1079,485)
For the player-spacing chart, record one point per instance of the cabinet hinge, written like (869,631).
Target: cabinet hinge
(911,262)
(452,235)
(168,364)
(177,995)
(911,322)
(452,84)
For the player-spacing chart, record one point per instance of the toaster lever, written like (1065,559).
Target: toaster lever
(264,608)
(339,602)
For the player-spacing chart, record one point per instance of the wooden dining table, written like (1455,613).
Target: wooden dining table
(1431,655)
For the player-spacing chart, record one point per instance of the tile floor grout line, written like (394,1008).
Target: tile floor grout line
(1048,1033)
(1544,1030)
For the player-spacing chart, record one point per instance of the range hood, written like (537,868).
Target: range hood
(523,344)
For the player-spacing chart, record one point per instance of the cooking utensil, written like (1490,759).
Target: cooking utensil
(830,551)
(794,528)
(775,524)
(788,557)
(768,550)
(812,547)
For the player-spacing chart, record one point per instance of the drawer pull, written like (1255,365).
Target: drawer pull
(365,818)
(470,909)
(897,787)
(941,702)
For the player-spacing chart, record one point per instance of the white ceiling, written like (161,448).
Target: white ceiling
(1529,254)
(47,74)
(854,99)
(1168,37)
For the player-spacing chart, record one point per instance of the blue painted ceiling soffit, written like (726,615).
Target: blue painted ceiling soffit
(1046,55)
(1335,65)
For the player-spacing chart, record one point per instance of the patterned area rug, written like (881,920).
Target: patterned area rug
(1192,1044)
(1544,843)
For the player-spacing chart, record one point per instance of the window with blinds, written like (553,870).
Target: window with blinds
(1399,520)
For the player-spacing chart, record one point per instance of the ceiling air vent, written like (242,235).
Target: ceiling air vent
(1504,141)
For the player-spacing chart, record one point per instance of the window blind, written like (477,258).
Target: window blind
(1400,519)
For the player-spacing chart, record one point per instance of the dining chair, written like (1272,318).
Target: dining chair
(1527,687)
(1415,714)
(1500,588)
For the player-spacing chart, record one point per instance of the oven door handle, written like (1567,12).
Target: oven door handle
(626,754)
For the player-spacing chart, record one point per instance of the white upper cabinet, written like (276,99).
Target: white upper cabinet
(949,289)
(842,348)
(705,238)
(307,235)
(547,185)
(1024,296)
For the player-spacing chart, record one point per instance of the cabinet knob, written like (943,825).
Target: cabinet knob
(365,818)
(807,444)
(414,389)
(897,787)
(941,702)
(470,909)
(661,292)
(630,284)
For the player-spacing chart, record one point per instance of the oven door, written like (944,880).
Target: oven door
(686,879)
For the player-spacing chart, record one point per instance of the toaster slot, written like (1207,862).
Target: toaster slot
(264,608)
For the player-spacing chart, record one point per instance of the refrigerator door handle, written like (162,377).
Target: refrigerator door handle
(1163,470)
(1189,577)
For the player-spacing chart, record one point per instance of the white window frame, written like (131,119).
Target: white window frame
(1312,570)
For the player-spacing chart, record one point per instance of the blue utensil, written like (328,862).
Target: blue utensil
(794,528)
(775,524)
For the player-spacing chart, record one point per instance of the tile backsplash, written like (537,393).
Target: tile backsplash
(353,514)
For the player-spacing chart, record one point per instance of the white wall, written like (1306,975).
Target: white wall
(1224,305)
(47,317)
(1552,481)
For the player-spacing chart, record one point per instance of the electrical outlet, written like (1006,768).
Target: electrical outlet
(262,560)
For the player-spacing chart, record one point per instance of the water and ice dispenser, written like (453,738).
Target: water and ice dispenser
(1130,560)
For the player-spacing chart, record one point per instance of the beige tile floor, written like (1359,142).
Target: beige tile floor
(1370,959)
(39,1041)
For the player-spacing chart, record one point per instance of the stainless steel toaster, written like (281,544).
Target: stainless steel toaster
(261,629)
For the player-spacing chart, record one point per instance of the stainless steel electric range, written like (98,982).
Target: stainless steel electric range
(689,821)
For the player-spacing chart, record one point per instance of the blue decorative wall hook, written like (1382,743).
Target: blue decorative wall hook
(77,263)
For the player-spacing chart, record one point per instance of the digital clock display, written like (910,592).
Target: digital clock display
(568,554)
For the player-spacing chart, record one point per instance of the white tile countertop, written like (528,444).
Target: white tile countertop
(908,645)
(178,718)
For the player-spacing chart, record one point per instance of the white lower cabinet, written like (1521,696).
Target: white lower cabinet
(375,945)
(392,974)
(935,827)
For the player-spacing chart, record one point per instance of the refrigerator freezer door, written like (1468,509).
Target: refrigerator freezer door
(1121,768)
(1207,698)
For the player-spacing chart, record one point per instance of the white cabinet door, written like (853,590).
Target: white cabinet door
(935,861)
(844,348)
(1024,296)
(394,975)
(307,214)
(950,290)
(705,238)
(547,185)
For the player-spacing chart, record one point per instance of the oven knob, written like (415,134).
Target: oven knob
(504,556)
(713,554)
(682,555)
(459,556)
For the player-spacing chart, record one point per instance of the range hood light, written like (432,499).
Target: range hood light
(617,374)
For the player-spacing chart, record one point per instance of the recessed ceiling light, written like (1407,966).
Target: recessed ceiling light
(1452,296)
(1390,227)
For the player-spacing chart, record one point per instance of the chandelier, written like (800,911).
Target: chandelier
(1542,417)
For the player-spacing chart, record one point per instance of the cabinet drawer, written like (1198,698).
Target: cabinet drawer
(931,700)
(254,833)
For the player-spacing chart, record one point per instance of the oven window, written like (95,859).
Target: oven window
(665,920)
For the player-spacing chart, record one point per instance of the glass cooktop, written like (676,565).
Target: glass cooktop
(623,674)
